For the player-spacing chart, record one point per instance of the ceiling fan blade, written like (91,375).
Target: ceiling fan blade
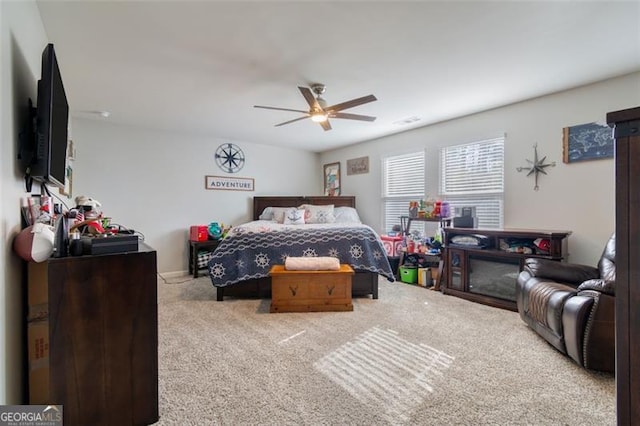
(306,92)
(280,109)
(325,125)
(352,116)
(352,103)
(292,121)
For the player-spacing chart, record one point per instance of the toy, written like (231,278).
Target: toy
(215,231)
(89,215)
(35,242)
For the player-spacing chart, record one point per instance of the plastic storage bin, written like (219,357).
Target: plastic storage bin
(408,274)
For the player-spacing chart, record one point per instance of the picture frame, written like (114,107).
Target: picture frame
(590,141)
(68,178)
(332,179)
(227,183)
(68,182)
(358,166)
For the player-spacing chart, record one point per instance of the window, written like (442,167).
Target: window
(403,181)
(472,175)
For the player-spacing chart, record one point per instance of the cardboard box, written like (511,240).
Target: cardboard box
(38,333)
(198,233)
(434,275)
(38,341)
(424,277)
(392,245)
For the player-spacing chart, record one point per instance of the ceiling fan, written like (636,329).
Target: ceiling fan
(319,112)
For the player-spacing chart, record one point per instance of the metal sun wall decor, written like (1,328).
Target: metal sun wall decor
(229,158)
(536,166)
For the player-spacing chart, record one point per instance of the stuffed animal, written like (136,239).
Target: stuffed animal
(84,201)
(89,219)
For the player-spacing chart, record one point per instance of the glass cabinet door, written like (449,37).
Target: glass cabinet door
(493,276)
(456,279)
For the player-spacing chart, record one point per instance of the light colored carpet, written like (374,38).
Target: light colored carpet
(414,356)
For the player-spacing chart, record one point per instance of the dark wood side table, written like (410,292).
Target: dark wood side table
(405,222)
(194,248)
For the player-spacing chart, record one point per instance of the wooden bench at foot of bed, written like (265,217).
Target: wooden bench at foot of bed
(363,284)
(310,291)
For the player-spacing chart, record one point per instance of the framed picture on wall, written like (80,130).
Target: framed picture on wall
(357,166)
(332,179)
(68,174)
(591,141)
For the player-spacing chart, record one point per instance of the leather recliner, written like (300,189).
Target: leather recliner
(572,306)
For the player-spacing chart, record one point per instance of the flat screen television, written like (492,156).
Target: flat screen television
(49,161)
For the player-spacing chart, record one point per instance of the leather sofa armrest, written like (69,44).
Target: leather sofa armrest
(600,285)
(568,273)
(575,315)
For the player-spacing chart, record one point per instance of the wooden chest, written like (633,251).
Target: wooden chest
(311,291)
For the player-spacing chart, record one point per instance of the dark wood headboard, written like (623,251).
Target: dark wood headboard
(260,203)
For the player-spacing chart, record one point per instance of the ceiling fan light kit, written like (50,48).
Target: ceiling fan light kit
(319,117)
(319,112)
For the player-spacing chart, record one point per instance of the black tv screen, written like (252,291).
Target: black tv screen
(52,117)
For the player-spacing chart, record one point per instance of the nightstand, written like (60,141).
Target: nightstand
(194,248)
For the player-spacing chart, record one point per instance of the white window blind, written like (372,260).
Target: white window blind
(472,175)
(403,181)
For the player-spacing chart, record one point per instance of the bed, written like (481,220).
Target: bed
(240,265)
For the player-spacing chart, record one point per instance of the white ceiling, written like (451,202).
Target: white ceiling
(199,67)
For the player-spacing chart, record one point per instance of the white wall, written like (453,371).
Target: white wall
(22,40)
(153,182)
(578,196)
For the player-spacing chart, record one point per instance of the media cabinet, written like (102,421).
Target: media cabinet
(488,275)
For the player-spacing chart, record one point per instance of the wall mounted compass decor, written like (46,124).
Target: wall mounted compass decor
(229,158)
(536,166)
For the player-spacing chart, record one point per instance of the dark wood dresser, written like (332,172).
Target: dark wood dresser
(626,124)
(92,327)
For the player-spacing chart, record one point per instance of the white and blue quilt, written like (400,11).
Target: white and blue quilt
(251,249)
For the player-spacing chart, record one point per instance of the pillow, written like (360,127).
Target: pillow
(465,240)
(279,212)
(294,216)
(346,215)
(267,214)
(318,214)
